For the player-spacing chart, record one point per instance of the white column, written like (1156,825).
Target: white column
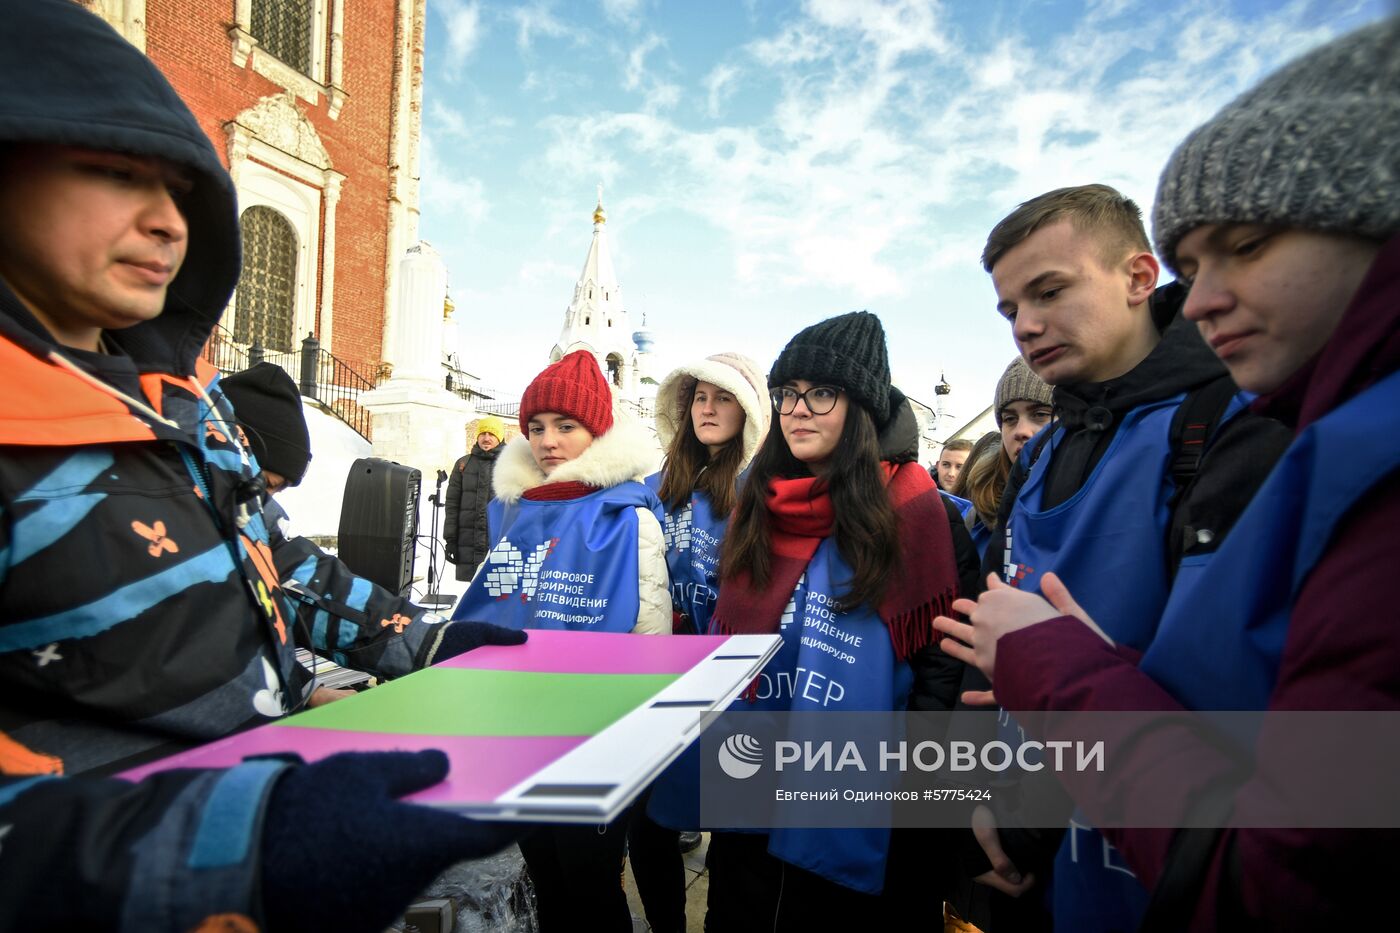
(418,327)
(331,194)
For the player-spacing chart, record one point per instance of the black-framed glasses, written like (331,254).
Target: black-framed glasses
(818,399)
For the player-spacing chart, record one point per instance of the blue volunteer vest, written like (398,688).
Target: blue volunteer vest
(832,661)
(1115,526)
(693,535)
(962,504)
(569,564)
(981,536)
(1107,543)
(1223,631)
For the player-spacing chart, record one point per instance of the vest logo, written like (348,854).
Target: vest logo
(1013,572)
(791,608)
(1016,573)
(740,756)
(677,531)
(508,570)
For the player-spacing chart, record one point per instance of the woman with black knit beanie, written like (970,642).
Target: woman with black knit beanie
(836,520)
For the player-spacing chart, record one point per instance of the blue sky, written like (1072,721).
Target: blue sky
(770,164)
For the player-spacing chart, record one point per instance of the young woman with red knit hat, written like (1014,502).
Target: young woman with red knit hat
(580,548)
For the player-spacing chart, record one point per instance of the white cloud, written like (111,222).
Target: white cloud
(451,190)
(719,87)
(444,118)
(657,94)
(463,22)
(635,71)
(537,19)
(627,12)
(892,142)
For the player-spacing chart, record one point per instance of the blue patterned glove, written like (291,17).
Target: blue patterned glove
(461,637)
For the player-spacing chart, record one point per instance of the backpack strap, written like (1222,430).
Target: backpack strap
(1192,428)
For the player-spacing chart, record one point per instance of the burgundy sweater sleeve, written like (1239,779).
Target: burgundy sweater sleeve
(1341,653)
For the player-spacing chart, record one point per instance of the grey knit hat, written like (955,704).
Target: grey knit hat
(847,351)
(1315,145)
(1017,384)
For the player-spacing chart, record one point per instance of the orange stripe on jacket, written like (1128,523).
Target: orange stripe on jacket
(44,405)
(261,555)
(17,759)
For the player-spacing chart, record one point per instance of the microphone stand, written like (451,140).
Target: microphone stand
(433,599)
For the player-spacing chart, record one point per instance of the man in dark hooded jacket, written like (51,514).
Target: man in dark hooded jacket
(140,609)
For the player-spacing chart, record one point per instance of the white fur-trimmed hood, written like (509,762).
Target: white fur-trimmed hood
(732,372)
(626,452)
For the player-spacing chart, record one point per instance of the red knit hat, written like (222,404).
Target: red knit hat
(573,387)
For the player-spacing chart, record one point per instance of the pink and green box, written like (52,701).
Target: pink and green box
(568,726)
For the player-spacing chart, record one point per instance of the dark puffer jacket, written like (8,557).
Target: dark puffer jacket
(464,528)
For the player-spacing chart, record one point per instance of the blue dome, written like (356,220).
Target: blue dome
(643,340)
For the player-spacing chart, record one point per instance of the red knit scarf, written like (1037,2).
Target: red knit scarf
(924,585)
(555,492)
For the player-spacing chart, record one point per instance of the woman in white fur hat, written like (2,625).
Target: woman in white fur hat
(711,415)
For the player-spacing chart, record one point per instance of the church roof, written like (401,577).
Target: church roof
(598,266)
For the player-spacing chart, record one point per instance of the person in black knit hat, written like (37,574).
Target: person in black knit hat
(848,351)
(268,408)
(837,530)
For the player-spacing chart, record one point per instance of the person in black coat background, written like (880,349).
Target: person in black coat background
(464,529)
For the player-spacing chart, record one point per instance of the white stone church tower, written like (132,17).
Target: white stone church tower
(596,319)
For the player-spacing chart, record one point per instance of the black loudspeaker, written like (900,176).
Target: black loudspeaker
(379,521)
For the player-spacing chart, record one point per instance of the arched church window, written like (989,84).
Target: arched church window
(283,27)
(610,322)
(587,320)
(615,369)
(267,286)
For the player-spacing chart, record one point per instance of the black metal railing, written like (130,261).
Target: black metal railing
(459,384)
(319,375)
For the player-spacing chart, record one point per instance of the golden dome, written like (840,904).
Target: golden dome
(600,216)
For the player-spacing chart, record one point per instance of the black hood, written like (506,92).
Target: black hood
(70,79)
(1180,362)
(899,438)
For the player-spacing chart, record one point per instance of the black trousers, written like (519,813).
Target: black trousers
(577,873)
(753,892)
(657,865)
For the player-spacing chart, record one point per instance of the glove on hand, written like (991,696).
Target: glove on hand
(339,852)
(451,553)
(461,637)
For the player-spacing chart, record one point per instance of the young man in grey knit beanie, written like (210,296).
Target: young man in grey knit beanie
(1283,215)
